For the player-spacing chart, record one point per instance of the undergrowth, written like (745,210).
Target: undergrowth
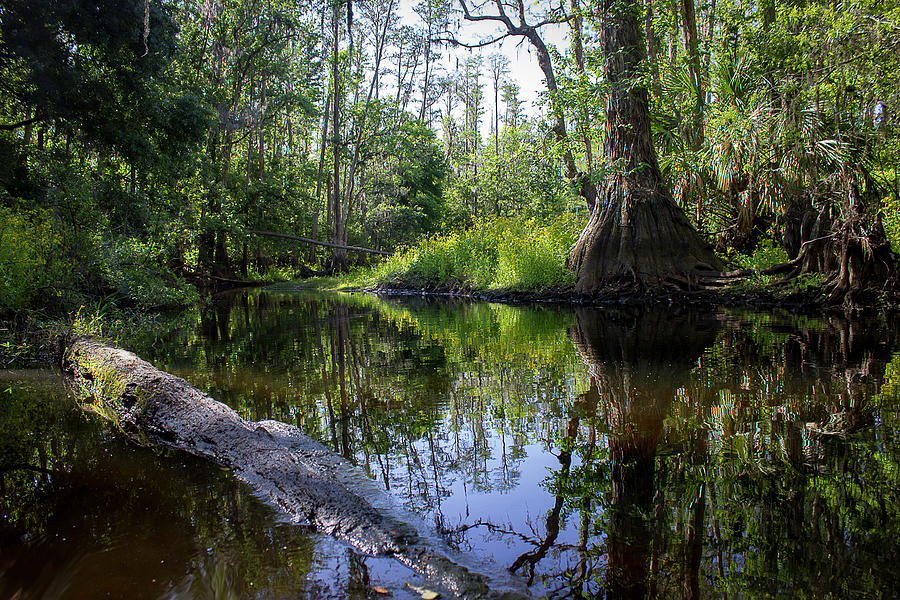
(500,253)
(767,254)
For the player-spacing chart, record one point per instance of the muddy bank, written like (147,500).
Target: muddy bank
(795,301)
(301,478)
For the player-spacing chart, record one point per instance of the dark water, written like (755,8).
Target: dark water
(609,454)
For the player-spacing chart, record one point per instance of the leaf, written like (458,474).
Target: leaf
(425,593)
(380,590)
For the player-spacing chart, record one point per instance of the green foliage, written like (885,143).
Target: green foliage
(175,151)
(406,189)
(890,210)
(520,176)
(87,64)
(137,270)
(99,135)
(766,254)
(28,244)
(501,253)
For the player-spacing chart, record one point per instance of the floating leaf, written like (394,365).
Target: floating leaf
(425,593)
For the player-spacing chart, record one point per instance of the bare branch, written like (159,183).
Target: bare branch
(522,28)
(461,44)
(503,16)
(521,7)
(13,126)
(470,17)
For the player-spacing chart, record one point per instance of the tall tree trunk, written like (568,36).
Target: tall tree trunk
(635,232)
(322,145)
(692,50)
(361,125)
(261,129)
(709,36)
(584,125)
(652,41)
(339,256)
(26,137)
(429,21)
(497,120)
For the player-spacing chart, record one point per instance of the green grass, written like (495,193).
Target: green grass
(494,254)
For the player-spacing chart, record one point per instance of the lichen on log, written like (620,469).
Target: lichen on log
(285,468)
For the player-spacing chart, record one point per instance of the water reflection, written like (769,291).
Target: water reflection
(636,361)
(83,514)
(605,454)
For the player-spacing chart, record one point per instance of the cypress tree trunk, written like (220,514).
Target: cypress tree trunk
(635,232)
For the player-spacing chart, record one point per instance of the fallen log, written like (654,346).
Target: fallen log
(316,242)
(286,469)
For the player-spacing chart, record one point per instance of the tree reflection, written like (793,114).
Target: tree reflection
(84,514)
(636,361)
(739,458)
(682,454)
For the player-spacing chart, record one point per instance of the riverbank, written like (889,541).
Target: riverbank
(525,261)
(30,338)
(794,299)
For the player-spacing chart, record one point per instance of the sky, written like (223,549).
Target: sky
(523,65)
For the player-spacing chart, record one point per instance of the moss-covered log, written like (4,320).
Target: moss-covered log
(284,467)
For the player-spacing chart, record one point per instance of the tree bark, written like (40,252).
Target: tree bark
(324,142)
(692,49)
(652,42)
(635,232)
(583,120)
(339,256)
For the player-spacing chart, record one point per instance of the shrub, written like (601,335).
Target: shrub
(28,245)
(137,270)
(500,253)
(767,253)
(890,210)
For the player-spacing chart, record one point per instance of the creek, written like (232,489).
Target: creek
(628,453)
